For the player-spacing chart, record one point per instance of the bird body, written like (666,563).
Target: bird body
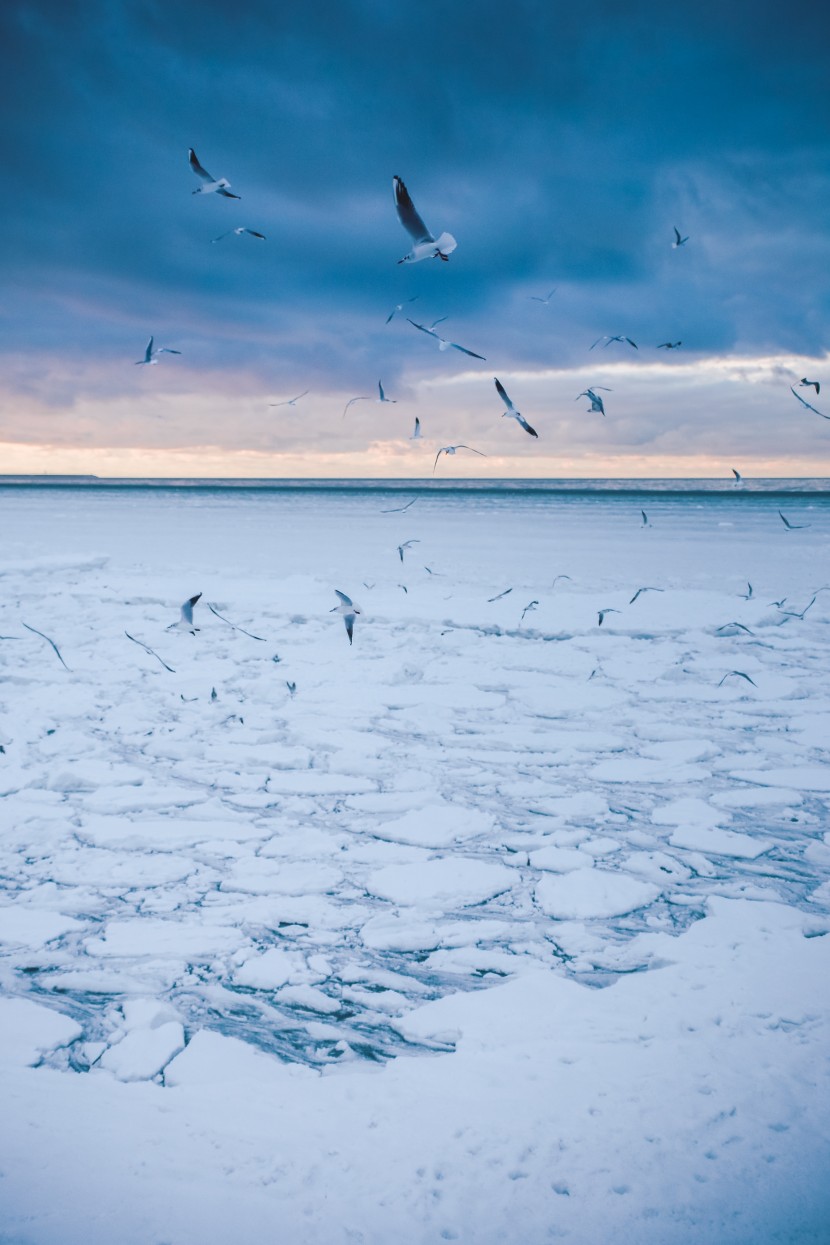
(425,245)
(210,185)
(511,411)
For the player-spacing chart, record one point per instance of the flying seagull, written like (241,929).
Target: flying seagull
(443,343)
(747,596)
(48,641)
(451,449)
(737,625)
(737,475)
(645,519)
(211,185)
(348,610)
(641,590)
(233,625)
(185,622)
(383,397)
(807,404)
(527,609)
(511,410)
(363,397)
(291,401)
(400,307)
(239,230)
(606,340)
(490,600)
(426,246)
(417,434)
(556,579)
(152,352)
(669,345)
(602,613)
(792,527)
(794,614)
(151,651)
(407,544)
(810,384)
(593,398)
(678,241)
(400,509)
(739,674)
(536,298)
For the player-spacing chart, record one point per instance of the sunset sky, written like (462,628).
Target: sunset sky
(559,143)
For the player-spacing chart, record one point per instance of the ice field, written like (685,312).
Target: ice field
(499,925)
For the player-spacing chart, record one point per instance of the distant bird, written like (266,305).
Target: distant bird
(443,343)
(747,596)
(426,246)
(400,307)
(407,544)
(50,642)
(794,614)
(185,622)
(292,688)
(738,477)
(490,600)
(792,527)
(678,241)
(593,398)
(152,352)
(400,509)
(527,609)
(606,341)
(348,611)
(641,590)
(511,411)
(404,588)
(211,185)
(240,229)
(669,345)
(814,384)
(556,579)
(738,674)
(417,434)
(291,401)
(737,625)
(536,298)
(645,519)
(363,397)
(233,625)
(602,613)
(382,396)
(451,449)
(807,404)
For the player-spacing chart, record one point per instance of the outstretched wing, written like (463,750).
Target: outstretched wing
(196,166)
(228,194)
(187,609)
(407,214)
(502,392)
(346,600)
(526,425)
(423,329)
(464,350)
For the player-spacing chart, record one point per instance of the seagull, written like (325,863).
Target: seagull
(511,410)
(793,527)
(793,614)
(738,477)
(490,600)
(593,398)
(383,397)
(443,343)
(185,622)
(451,449)
(527,609)
(292,687)
(48,641)
(417,435)
(645,519)
(669,345)
(640,590)
(738,674)
(807,404)
(747,596)
(291,401)
(606,340)
(740,627)
(426,247)
(400,307)
(678,241)
(211,185)
(602,613)
(152,352)
(364,397)
(556,579)
(240,229)
(536,298)
(348,610)
(814,384)
(406,545)
(400,509)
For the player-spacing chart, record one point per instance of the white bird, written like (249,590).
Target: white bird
(363,397)
(678,241)
(593,398)
(807,404)
(239,230)
(348,611)
(152,352)
(383,397)
(291,401)
(748,595)
(407,544)
(400,509)
(737,674)
(185,622)
(451,449)
(443,343)
(606,340)
(426,246)
(417,435)
(641,590)
(511,410)
(531,606)
(400,307)
(810,384)
(536,298)
(211,184)
(601,614)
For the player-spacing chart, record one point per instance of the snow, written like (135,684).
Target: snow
(489,932)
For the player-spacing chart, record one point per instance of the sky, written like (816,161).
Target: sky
(560,144)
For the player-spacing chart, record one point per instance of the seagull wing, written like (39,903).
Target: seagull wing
(228,194)
(346,600)
(631,343)
(167,350)
(526,425)
(348,619)
(253,232)
(437,456)
(470,448)
(407,214)
(187,609)
(676,236)
(197,168)
(148,353)
(464,350)
(502,392)
(597,342)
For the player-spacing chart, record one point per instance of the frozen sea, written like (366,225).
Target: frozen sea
(500,925)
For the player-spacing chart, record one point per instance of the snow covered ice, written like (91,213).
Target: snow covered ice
(491,930)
